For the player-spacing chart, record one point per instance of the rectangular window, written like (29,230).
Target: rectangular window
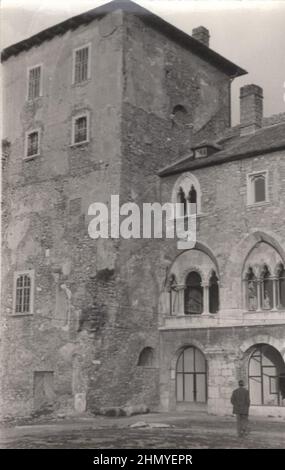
(34,82)
(80,130)
(32,144)
(81,64)
(23,292)
(257,188)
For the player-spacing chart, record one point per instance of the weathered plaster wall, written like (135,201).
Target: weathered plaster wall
(45,216)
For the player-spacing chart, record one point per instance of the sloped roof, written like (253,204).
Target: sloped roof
(130,7)
(265,140)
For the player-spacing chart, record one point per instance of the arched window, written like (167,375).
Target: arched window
(191,376)
(213,293)
(265,372)
(23,294)
(281,286)
(251,289)
(193,299)
(146,358)
(266,289)
(259,188)
(192,199)
(187,191)
(182,200)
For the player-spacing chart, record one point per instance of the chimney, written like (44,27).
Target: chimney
(251,108)
(201,34)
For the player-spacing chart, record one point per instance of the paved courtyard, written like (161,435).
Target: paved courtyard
(167,431)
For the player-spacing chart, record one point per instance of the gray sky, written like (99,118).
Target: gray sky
(250,33)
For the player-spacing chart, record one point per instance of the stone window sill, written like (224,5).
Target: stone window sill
(257,204)
(31,157)
(21,315)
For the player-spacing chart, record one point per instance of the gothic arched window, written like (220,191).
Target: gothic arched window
(259,188)
(182,200)
(192,199)
(193,300)
(213,293)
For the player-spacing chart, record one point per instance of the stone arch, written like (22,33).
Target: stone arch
(242,250)
(193,343)
(236,263)
(204,249)
(195,269)
(146,357)
(278,344)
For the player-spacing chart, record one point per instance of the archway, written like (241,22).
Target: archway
(266,376)
(191,376)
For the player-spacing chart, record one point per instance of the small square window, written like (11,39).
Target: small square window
(80,131)
(81,64)
(257,188)
(32,144)
(34,82)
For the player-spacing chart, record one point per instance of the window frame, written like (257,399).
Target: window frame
(251,188)
(28,82)
(17,274)
(30,157)
(74,119)
(87,45)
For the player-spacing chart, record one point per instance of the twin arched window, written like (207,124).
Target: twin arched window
(188,201)
(187,192)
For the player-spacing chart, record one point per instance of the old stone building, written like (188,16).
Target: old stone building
(116,101)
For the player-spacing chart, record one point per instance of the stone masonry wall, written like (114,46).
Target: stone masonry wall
(45,214)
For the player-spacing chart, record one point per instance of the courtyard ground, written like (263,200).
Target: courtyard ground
(156,431)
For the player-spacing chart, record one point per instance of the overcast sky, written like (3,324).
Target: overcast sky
(249,33)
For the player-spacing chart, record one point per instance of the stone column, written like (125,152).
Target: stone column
(205,299)
(178,300)
(258,294)
(274,287)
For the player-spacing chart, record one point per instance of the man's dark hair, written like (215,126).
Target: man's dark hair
(241,383)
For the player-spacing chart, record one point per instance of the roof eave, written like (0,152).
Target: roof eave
(218,160)
(231,69)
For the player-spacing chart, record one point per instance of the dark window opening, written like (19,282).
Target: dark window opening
(33,144)
(146,357)
(193,300)
(182,200)
(80,131)
(259,189)
(213,293)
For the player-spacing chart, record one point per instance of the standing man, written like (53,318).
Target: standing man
(240,401)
